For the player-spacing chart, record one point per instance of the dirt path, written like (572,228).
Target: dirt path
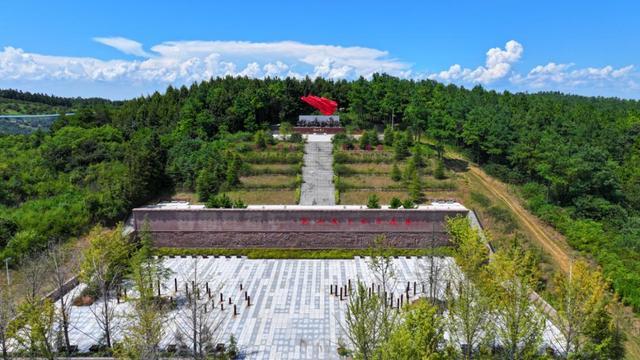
(552,242)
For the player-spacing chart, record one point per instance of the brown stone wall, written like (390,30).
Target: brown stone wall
(308,229)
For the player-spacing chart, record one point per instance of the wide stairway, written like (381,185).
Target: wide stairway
(317,173)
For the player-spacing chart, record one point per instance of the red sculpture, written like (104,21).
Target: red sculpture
(326,106)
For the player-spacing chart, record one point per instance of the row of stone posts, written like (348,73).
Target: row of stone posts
(411,291)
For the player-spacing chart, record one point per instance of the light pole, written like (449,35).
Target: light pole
(6,269)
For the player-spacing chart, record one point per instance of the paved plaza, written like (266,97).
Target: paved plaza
(292,314)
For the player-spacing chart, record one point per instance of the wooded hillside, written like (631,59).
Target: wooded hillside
(575,159)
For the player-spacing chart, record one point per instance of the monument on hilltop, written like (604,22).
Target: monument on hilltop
(327,123)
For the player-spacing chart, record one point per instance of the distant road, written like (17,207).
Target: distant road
(22,116)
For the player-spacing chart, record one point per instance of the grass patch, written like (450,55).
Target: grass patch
(370,182)
(439,185)
(272,169)
(284,253)
(369,169)
(480,199)
(503,216)
(268,182)
(264,197)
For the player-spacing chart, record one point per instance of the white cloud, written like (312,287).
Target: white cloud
(273,70)
(125,45)
(181,62)
(498,64)
(565,76)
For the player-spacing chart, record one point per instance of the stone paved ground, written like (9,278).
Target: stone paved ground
(292,314)
(317,172)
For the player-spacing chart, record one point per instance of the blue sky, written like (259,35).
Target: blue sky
(120,49)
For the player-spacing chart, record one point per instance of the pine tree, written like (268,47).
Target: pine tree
(395,173)
(373,202)
(395,203)
(415,188)
(388,136)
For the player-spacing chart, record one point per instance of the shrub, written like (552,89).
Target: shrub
(219,201)
(408,204)
(395,203)
(342,170)
(239,204)
(8,228)
(286,128)
(224,202)
(373,202)
(261,139)
(296,138)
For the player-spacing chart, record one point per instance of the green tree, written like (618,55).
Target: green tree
(395,173)
(419,335)
(410,171)
(8,228)
(261,139)
(364,322)
(519,325)
(468,319)
(582,302)
(388,136)
(395,203)
(233,170)
(418,156)
(365,140)
(415,188)
(211,179)
(401,146)
(146,324)
(439,172)
(104,264)
(33,330)
(470,251)
(7,316)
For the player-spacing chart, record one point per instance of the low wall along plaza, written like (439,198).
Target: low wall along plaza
(282,228)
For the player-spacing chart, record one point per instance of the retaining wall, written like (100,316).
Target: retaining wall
(304,229)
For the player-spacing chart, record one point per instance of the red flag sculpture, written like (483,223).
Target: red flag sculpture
(326,106)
